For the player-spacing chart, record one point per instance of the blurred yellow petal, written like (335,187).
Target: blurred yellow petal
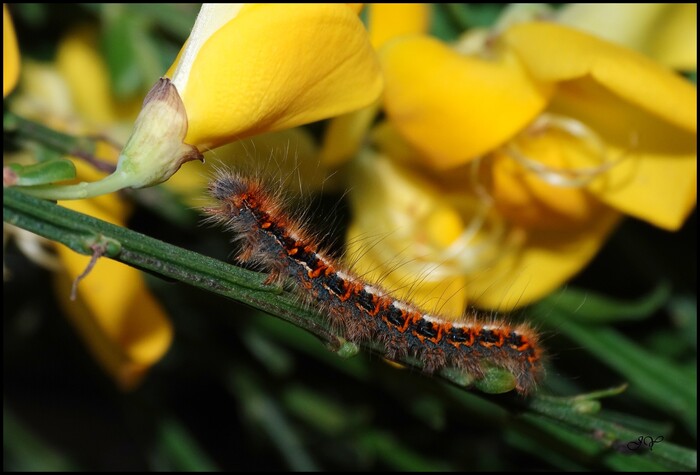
(445,296)
(277,66)
(656,187)
(451,107)
(627,24)
(607,87)
(665,32)
(414,238)
(10,54)
(82,65)
(345,135)
(531,201)
(655,178)
(554,53)
(83,68)
(122,323)
(48,96)
(676,40)
(389,20)
(545,261)
(388,140)
(45,96)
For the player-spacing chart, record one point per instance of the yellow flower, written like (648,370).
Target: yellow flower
(245,69)
(309,62)
(253,68)
(120,321)
(10,54)
(645,115)
(556,133)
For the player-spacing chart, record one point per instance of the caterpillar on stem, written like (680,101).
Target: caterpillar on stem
(363,311)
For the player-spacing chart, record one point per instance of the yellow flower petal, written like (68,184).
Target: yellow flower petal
(389,20)
(644,113)
(656,176)
(660,188)
(73,94)
(10,54)
(452,107)
(123,325)
(45,96)
(546,260)
(529,200)
(79,62)
(345,135)
(278,66)
(665,32)
(416,239)
(627,24)
(554,53)
(445,296)
(676,40)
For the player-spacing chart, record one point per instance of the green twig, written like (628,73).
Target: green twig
(79,232)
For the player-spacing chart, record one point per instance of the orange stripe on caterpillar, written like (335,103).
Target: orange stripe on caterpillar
(363,311)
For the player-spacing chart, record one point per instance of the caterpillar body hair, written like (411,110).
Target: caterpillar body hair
(364,311)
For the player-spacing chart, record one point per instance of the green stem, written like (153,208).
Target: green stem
(28,129)
(79,231)
(77,146)
(109,184)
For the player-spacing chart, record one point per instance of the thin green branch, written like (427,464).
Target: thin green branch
(79,232)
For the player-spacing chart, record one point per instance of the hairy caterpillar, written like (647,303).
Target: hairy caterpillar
(363,311)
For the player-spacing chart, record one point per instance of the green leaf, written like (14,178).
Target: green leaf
(655,379)
(496,381)
(176,19)
(266,413)
(176,450)
(474,15)
(42,173)
(684,313)
(609,435)
(317,410)
(120,51)
(589,307)
(132,57)
(396,455)
(25,130)
(25,452)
